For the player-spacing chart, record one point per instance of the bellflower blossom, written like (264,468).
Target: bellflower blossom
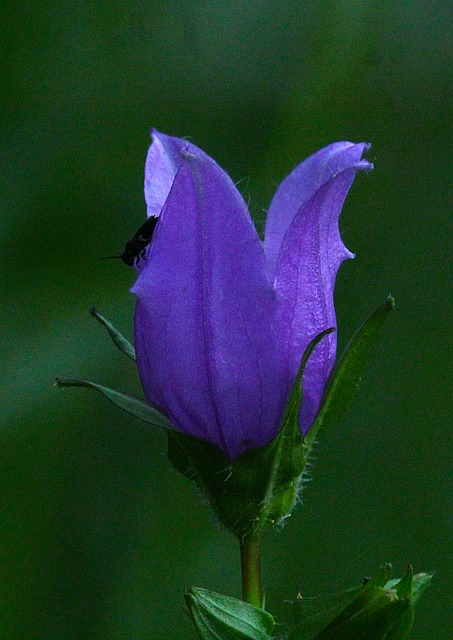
(222,319)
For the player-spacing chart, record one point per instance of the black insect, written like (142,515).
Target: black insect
(135,248)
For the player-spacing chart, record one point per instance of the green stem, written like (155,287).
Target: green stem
(251,570)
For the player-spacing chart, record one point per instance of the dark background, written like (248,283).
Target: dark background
(98,535)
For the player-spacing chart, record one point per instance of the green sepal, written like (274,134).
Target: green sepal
(118,340)
(381,609)
(259,489)
(219,617)
(130,404)
(345,378)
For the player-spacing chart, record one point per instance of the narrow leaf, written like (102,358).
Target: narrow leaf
(118,340)
(291,415)
(130,404)
(346,376)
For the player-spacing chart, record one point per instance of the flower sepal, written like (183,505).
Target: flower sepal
(259,489)
(118,339)
(132,405)
(346,376)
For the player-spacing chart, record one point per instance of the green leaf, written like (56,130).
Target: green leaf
(381,609)
(130,404)
(118,340)
(420,582)
(219,617)
(345,379)
(259,489)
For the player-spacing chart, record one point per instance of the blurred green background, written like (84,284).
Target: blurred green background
(98,535)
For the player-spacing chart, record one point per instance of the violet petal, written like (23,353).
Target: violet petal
(203,334)
(300,185)
(162,163)
(311,251)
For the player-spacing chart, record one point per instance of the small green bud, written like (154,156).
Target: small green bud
(381,609)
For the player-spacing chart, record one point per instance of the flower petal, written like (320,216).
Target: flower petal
(203,334)
(162,163)
(300,185)
(310,254)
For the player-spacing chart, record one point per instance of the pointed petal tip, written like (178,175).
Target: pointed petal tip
(157,137)
(361,165)
(364,165)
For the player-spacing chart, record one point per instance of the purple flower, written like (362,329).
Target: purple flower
(222,319)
